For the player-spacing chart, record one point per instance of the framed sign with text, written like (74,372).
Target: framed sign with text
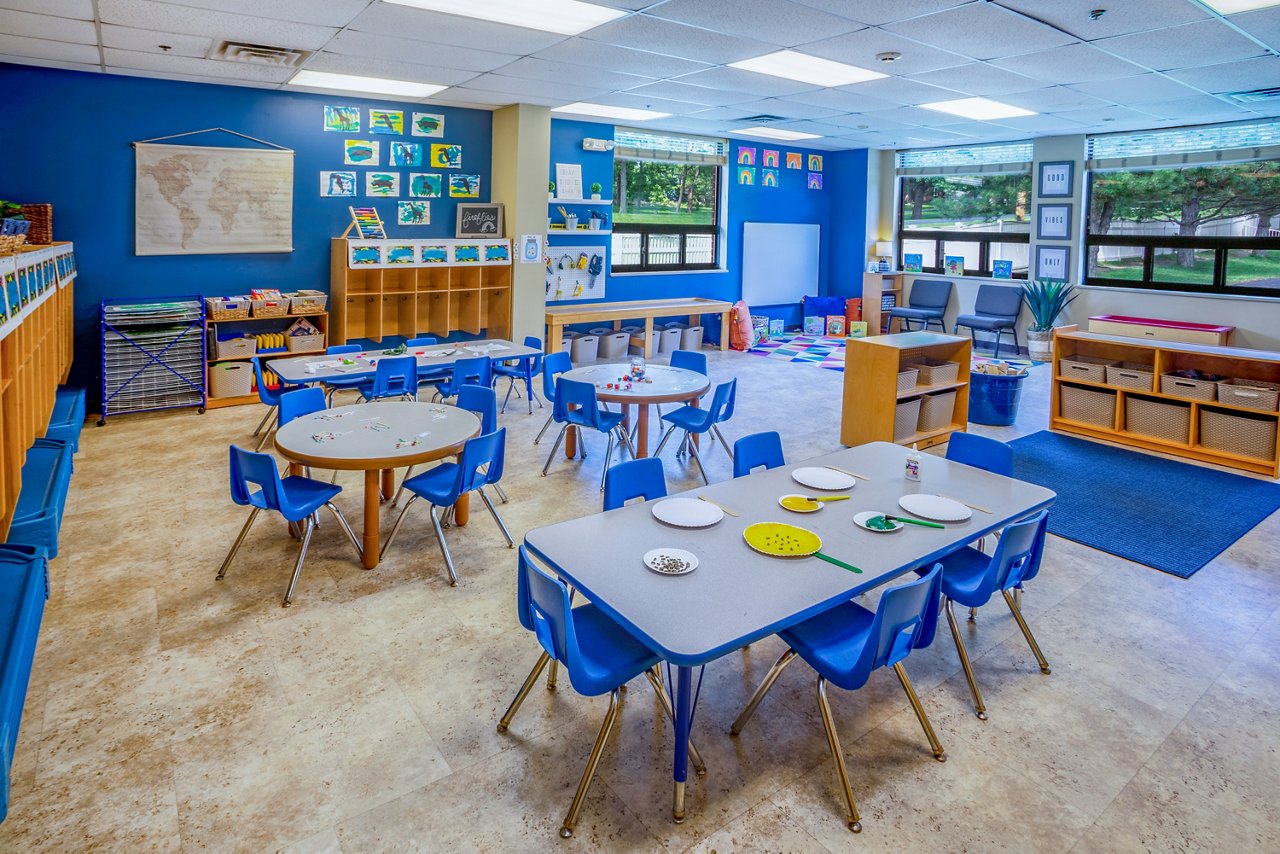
(1053,222)
(1056,178)
(1053,262)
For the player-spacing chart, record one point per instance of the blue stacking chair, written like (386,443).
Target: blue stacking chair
(576,406)
(428,374)
(523,369)
(689,360)
(599,655)
(971,577)
(926,304)
(393,376)
(474,370)
(634,479)
(484,403)
(271,398)
(337,384)
(758,449)
(256,483)
(981,452)
(553,365)
(295,404)
(847,643)
(694,420)
(479,465)
(995,310)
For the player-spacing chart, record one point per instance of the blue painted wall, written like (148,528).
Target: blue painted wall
(77,130)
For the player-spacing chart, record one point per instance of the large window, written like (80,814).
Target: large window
(980,218)
(666,202)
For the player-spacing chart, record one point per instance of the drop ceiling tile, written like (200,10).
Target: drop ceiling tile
(985,30)
(47,27)
(568,92)
(1201,43)
(785,108)
(1094,117)
(676,90)
(355,43)
(737,80)
(860,48)
(1121,18)
(81,10)
(821,128)
(863,122)
(911,117)
(900,90)
(875,12)
(49,63)
(167,65)
(1199,108)
(773,21)
(336,63)
(1232,76)
(541,69)
(1042,124)
(1073,63)
(1263,24)
(388,19)
(168,18)
(47,49)
(1129,90)
(659,36)
(1052,99)
(462,95)
(330,13)
(629,5)
(690,124)
(838,99)
(193,78)
(648,102)
(584,52)
(149,41)
(977,78)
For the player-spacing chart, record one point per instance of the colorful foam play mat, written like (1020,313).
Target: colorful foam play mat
(827,352)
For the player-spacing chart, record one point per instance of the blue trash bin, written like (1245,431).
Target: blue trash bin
(993,398)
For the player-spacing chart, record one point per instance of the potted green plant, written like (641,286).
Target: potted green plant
(1046,299)
(595,192)
(551,190)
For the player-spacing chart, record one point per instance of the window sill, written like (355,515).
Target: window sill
(982,280)
(1192,294)
(669,273)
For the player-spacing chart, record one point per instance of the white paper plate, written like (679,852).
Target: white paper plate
(817,505)
(861,521)
(671,561)
(687,512)
(935,507)
(823,478)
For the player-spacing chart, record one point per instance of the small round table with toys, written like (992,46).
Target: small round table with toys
(615,382)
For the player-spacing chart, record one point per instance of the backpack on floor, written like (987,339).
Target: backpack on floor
(740,335)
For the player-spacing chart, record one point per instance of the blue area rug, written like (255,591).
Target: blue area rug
(1164,514)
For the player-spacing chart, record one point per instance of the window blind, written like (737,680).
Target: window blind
(966,160)
(670,147)
(1208,144)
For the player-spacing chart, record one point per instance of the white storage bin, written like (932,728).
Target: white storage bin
(613,345)
(669,339)
(691,338)
(585,348)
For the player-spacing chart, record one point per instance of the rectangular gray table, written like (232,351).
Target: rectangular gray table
(294,371)
(737,596)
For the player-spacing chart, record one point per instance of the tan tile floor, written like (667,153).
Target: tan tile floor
(168,711)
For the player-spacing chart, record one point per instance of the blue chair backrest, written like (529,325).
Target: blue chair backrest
(689,360)
(424,341)
(249,470)
(395,375)
(1015,554)
(271,397)
(483,402)
(481,461)
(981,452)
(342,349)
(906,619)
(295,404)
(576,404)
(642,478)
(930,293)
(545,605)
(722,402)
(998,301)
(553,365)
(1037,549)
(474,370)
(758,449)
(533,364)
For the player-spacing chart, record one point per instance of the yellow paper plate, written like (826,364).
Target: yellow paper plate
(799,504)
(781,540)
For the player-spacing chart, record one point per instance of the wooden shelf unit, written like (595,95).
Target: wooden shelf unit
(1164,357)
(874,287)
(254,326)
(871,391)
(405,301)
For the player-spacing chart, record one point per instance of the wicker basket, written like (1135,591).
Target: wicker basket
(936,411)
(1132,375)
(1088,405)
(1158,419)
(232,348)
(308,302)
(907,379)
(1249,394)
(41,219)
(934,372)
(1087,368)
(230,380)
(270,307)
(11,242)
(1238,433)
(1203,390)
(304,343)
(905,418)
(227,309)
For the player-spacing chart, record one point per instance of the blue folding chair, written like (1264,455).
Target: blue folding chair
(981,452)
(695,421)
(634,479)
(523,369)
(599,655)
(847,643)
(553,365)
(758,449)
(575,406)
(475,370)
(393,376)
(337,384)
(971,577)
(271,397)
(256,483)
(479,465)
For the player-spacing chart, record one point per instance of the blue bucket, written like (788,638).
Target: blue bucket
(993,399)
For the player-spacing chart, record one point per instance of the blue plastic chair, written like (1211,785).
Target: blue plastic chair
(971,577)
(576,406)
(479,465)
(484,403)
(758,449)
(474,370)
(689,360)
(393,376)
(256,483)
(981,452)
(847,643)
(523,369)
(694,421)
(337,384)
(296,404)
(271,397)
(634,479)
(599,655)
(428,374)
(553,365)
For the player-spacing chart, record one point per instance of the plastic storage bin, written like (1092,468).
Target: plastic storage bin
(935,372)
(231,379)
(1159,419)
(1203,390)
(669,339)
(905,418)
(1087,368)
(907,379)
(613,345)
(994,399)
(1238,433)
(936,411)
(585,348)
(1249,394)
(231,348)
(1088,405)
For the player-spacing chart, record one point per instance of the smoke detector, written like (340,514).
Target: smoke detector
(259,54)
(889,56)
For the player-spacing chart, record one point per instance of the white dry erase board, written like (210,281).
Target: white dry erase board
(779,262)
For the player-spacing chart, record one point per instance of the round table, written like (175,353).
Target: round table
(378,437)
(666,385)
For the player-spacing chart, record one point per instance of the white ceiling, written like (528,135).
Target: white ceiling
(1145,63)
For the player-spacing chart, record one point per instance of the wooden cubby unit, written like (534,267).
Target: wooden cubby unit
(249,327)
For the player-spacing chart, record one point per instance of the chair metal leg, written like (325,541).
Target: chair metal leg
(655,679)
(551,675)
(626,440)
(999,335)
(973,615)
(297,567)
(444,548)
(716,429)
(510,387)
(938,753)
(608,457)
(271,410)
(606,728)
(494,513)
(529,681)
(266,437)
(833,740)
(663,442)
(980,708)
(395,529)
(408,474)
(235,547)
(502,493)
(769,679)
(1026,632)
(346,527)
(697,458)
(538,438)
(551,456)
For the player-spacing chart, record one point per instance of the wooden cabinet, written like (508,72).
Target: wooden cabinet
(875,287)
(405,288)
(248,327)
(872,397)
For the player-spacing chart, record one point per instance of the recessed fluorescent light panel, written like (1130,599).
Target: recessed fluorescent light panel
(776,133)
(1230,7)
(605,111)
(372,85)
(979,109)
(794,65)
(567,17)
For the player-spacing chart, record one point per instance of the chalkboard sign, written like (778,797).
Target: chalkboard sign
(480,220)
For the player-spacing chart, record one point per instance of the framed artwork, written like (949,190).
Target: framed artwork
(1053,262)
(1053,222)
(1056,178)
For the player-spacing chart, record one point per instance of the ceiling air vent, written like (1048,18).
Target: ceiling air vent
(1255,95)
(762,119)
(259,54)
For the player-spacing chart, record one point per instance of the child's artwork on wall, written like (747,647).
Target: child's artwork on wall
(769,158)
(425,185)
(413,213)
(815,181)
(815,162)
(953,265)
(795,160)
(746,175)
(385,184)
(342,119)
(406,154)
(446,156)
(913,262)
(386,121)
(337,183)
(768,177)
(427,124)
(361,152)
(746,156)
(464,186)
